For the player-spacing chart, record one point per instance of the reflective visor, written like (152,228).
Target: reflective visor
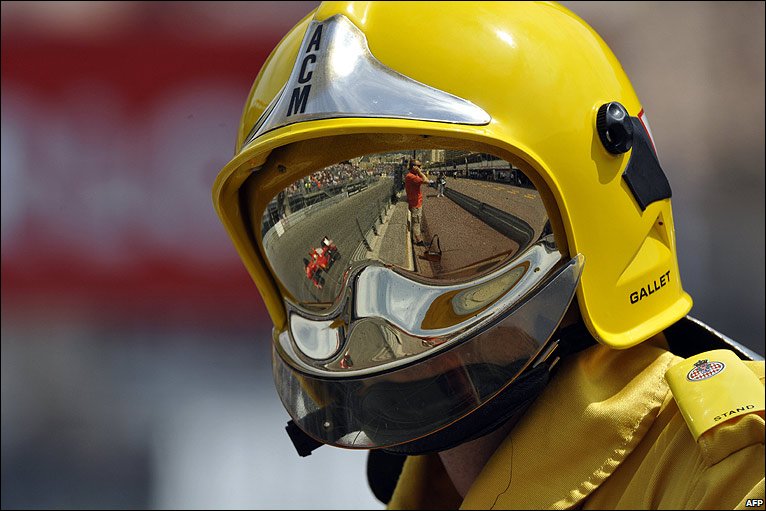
(476,214)
(417,285)
(408,403)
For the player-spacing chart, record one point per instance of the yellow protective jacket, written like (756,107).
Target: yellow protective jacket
(607,433)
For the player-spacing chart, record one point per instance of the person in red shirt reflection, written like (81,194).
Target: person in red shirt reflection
(412,183)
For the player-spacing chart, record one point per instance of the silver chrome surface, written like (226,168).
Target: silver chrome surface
(381,292)
(336,75)
(315,339)
(395,320)
(391,407)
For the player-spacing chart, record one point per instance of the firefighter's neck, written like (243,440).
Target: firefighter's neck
(464,462)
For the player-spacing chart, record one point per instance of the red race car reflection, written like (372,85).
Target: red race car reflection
(320,261)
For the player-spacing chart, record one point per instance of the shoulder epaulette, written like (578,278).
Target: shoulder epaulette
(713,387)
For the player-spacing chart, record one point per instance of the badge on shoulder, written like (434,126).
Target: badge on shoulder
(713,387)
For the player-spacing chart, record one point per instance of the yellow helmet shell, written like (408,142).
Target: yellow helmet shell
(541,73)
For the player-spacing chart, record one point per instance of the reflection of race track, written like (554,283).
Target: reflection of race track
(469,235)
(344,222)
(479,229)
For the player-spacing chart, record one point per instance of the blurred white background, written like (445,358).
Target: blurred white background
(135,349)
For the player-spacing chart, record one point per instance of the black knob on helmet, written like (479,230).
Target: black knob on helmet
(614,128)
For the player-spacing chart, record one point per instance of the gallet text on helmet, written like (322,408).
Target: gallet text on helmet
(656,285)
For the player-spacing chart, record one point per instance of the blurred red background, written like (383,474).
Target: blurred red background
(115,124)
